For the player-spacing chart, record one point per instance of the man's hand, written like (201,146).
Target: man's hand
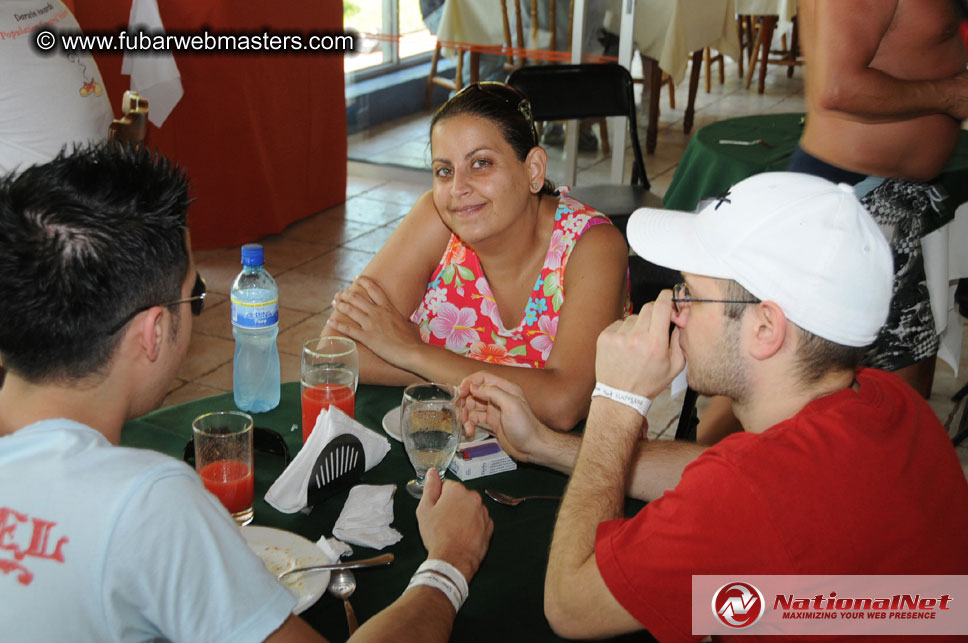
(365,314)
(501,405)
(454,525)
(638,354)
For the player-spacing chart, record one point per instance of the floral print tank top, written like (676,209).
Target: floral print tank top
(458,310)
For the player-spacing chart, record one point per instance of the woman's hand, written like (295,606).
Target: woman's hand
(365,314)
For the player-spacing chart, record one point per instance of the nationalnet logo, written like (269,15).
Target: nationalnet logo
(830,605)
(738,605)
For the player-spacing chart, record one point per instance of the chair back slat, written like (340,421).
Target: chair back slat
(588,90)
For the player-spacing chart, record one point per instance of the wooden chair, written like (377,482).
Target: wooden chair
(537,34)
(132,127)
(788,57)
(746,34)
(666,81)
(457,83)
(708,61)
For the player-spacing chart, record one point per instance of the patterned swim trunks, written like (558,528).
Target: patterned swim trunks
(905,209)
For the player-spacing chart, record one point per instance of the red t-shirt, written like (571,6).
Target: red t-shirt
(856,483)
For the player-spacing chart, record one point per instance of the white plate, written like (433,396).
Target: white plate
(391,424)
(281,550)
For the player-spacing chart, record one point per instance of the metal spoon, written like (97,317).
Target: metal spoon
(513,501)
(376,561)
(342,585)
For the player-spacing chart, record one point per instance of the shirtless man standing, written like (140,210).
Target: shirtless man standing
(886,89)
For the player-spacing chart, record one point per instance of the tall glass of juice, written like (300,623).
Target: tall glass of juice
(329,374)
(223,460)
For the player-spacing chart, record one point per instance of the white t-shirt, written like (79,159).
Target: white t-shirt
(46,100)
(106,543)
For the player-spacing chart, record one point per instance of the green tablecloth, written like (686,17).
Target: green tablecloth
(506,595)
(708,168)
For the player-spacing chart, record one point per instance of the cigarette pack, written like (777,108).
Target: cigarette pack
(474,462)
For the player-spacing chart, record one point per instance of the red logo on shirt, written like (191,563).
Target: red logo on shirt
(738,605)
(27,542)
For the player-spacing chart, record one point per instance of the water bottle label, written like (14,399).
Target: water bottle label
(261,315)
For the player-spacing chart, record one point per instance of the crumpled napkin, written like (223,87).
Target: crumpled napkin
(366,517)
(333,548)
(288,492)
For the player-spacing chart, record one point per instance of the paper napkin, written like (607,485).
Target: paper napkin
(288,492)
(154,76)
(366,517)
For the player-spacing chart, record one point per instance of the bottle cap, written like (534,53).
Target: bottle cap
(252,254)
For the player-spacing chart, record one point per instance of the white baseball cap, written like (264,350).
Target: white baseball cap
(791,238)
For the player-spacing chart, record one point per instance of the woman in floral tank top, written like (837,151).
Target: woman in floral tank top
(474,277)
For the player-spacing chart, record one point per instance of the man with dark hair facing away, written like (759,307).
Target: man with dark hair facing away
(100,542)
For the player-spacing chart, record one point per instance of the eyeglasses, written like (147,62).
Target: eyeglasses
(510,95)
(680,294)
(197,300)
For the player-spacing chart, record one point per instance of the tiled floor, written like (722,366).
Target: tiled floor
(314,258)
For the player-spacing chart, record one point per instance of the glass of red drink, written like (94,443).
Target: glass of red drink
(329,374)
(223,460)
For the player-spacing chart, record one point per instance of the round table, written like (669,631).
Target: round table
(506,600)
(709,167)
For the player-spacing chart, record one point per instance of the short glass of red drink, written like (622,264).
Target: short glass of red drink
(329,374)
(223,459)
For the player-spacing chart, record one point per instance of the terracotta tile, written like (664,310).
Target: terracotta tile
(290,341)
(283,253)
(205,354)
(341,263)
(358,185)
(330,228)
(220,270)
(220,378)
(399,192)
(189,393)
(209,255)
(215,320)
(306,292)
(289,367)
(374,211)
(372,241)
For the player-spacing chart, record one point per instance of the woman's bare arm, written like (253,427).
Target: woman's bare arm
(595,289)
(402,268)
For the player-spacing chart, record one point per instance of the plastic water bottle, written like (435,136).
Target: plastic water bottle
(255,326)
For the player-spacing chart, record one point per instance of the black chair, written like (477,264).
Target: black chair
(563,92)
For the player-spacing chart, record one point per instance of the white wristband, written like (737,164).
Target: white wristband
(447,570)
(637,402)
(440,583)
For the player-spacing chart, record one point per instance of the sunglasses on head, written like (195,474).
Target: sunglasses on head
(510,95)
(197,301)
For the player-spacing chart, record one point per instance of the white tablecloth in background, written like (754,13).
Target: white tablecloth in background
(786,9)
(666,30)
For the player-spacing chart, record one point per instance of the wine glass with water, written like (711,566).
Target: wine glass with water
(431,429)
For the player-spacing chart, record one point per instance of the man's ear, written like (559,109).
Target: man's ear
(152,332)
(770,329)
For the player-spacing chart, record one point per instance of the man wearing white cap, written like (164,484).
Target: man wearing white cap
(840,469)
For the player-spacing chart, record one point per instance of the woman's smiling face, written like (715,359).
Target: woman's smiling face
(480,186)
